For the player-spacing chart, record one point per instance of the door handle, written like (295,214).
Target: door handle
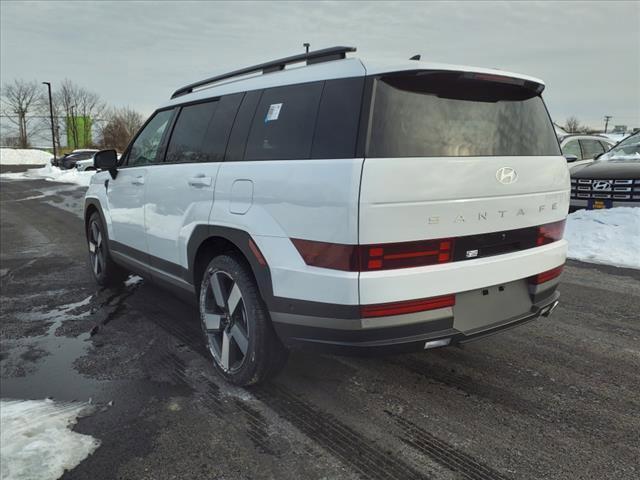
(138,181)
(199,181)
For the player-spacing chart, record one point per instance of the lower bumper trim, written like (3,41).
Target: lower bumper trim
(404,339)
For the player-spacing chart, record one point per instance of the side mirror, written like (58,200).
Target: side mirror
(598,156)
(105,160)
(571,158)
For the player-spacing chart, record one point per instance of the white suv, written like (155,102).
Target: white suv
(340,205)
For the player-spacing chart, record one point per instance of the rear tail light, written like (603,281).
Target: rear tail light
(550,232)
(410,306)
(384,256)
(388,256)
(546,276)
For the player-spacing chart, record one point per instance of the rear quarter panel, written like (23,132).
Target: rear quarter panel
(275,201)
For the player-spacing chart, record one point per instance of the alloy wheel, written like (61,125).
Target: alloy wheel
(224,321)
(96,249)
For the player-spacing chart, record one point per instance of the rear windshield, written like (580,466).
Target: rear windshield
(434,114)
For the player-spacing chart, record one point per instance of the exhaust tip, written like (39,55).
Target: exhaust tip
(546,311)
(437,343)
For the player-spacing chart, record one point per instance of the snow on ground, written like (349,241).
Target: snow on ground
(605,236)
(53,174)
(36,440)
(27,156)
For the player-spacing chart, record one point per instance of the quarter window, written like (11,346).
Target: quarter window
(337,127)
(146,146)
(606,146)
(284,123)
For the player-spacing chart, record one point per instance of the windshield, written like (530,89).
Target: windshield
(628,149)
(435,114)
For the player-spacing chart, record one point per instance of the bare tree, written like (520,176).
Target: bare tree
(20,101)
(120,126)
(74,101)
(572,125)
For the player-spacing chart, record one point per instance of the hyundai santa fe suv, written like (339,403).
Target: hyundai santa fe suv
(340,205)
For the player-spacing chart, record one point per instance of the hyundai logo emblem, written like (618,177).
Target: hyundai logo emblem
(506,175)
(601,185)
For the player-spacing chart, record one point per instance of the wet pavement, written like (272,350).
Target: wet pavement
(557,398)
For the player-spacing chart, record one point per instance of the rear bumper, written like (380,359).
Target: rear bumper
(399,334)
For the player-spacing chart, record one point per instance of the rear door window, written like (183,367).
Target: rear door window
(591,148)
(436,114)
(189,134)
(202,130)
(284,123)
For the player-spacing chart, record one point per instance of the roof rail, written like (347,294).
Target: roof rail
(318,56)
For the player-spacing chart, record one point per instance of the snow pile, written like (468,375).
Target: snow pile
(605,236)
(15,156)
(36,440)
(53,174)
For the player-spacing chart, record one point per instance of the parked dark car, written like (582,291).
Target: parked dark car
(69,160)
(612,180)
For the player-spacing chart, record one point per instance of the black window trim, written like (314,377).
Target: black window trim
(361,129)
(253,118)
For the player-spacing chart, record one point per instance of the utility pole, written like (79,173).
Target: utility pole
(74,133)
(306,46)
(606,122)
(53,132)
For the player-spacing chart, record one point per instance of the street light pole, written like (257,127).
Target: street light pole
(53,133)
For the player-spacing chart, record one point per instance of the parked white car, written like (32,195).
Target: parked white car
(584,147)
(344,206)
(88,164)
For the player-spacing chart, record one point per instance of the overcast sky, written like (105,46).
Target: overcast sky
(136,54)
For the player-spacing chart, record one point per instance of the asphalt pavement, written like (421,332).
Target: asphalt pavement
(556,398)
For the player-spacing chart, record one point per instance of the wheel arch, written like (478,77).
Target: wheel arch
(208,240)
(92,205)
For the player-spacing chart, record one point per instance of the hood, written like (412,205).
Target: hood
(608,169)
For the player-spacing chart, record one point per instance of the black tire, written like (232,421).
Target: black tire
(244,321)
(104,269)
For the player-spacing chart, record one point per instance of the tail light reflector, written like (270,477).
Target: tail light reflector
(546,276)
(328,255)
(550,232)
(410,306)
